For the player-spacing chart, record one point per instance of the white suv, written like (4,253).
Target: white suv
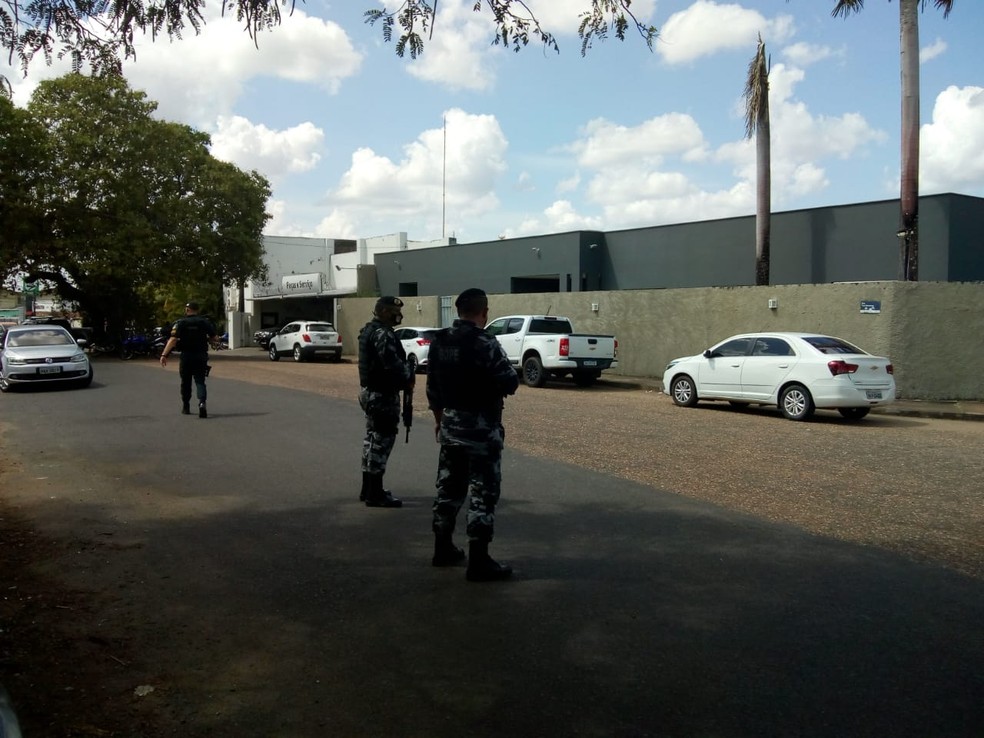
(305,339)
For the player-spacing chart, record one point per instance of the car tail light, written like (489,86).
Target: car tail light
(423,341)
(839,366)
(616,348)
(565,347)
(339,337)
(890,369)
(306,338)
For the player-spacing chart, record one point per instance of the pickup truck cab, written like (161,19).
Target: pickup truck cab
(544,346)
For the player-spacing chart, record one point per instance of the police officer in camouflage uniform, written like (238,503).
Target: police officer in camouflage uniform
(193,332)
(468,376)
(383,374)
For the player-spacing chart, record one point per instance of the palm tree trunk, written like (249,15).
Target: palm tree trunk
(757,124)
(763,192)
(909,195)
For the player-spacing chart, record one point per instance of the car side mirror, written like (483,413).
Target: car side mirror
(81,342)
(708,354)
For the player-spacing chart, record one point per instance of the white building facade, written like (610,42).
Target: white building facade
(305,278)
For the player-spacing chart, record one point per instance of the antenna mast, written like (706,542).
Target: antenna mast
(444,180)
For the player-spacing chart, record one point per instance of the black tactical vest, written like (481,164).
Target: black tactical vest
(372,372)
(458,368)
(193,333)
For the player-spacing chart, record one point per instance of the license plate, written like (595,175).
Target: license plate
(590,362)
(49,370)
(873,394)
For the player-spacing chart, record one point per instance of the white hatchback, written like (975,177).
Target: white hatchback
(798,372)
(306,339)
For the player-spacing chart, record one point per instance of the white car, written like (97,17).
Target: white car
(42,355)
(416,343)
(306,339)
(798,372)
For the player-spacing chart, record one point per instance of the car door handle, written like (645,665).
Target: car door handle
(784,366)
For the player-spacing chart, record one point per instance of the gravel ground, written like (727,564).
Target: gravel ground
(911,485)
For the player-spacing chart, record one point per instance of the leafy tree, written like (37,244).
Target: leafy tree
(100,34)
(128,204)
(757,124)
(909,191)
(515,24)
(22,159)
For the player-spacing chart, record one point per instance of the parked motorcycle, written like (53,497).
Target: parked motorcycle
(141,345)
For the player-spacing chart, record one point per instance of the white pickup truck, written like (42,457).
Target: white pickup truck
(542,346)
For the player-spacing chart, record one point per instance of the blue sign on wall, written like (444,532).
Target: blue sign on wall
(871,307)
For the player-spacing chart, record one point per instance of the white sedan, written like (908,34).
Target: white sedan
(798,372)
(42,355)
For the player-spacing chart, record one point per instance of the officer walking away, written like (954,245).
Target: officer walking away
(467,378)
(193,332)
(383,374)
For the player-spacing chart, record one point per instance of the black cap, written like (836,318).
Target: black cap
(388,301)
(192,305)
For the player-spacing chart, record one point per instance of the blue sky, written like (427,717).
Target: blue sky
(354,142)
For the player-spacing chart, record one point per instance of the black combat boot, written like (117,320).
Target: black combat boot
(482,567)
(202,411)
(445,552)
(186,407)
(365,487)
(376,496)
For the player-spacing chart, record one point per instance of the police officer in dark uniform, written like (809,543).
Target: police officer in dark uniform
(193,332)
(383,374)
(468,376)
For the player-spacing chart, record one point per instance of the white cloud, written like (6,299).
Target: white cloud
(272,153)
(608,144)
(457,57)
(664,171)
(707,27)
(201,77)
(803,54)
(952,146)
(937,48)
(376,187)
(570,184)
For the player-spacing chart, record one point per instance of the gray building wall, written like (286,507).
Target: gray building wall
(930,330)
(822,245)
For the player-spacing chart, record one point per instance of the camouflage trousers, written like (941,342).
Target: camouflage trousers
(382,425)
(475,472)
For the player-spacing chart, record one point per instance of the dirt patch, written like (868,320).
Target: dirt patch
(62,673)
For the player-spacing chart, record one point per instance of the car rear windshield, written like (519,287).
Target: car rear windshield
(546,325)
(429,335)
(828,345)
(41,337)
(321,327)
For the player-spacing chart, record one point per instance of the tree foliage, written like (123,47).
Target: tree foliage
(99,35)
(120,206)
(515,24)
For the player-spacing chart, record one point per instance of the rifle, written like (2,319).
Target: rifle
(408,411)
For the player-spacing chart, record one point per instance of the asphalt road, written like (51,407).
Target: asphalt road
(259,598)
